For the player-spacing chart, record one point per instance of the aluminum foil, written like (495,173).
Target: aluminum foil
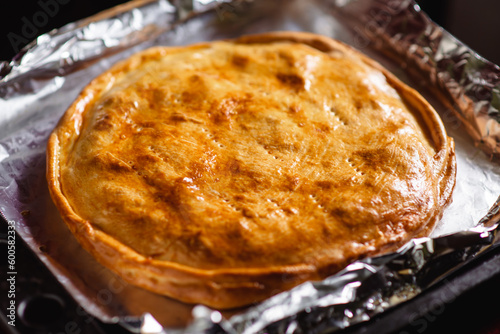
(41,82)
(466,83)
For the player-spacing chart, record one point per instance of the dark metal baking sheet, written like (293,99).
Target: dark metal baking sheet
(459,304)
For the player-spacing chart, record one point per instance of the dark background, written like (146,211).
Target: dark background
(475,22)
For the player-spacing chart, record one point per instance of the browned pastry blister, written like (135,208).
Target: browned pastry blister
(225,172)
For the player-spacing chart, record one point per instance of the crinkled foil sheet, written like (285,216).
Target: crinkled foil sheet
(40,83)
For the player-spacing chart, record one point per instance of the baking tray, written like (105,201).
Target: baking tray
(468,255)
(456,305)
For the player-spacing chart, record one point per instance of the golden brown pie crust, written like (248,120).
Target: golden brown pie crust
(225,172)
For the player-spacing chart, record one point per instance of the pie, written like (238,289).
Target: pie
(225,172)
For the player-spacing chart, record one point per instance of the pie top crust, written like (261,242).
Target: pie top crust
(224,172)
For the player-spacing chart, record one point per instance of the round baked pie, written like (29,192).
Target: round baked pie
(225,172)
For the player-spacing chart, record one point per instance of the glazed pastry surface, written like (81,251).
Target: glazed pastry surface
(221,168)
